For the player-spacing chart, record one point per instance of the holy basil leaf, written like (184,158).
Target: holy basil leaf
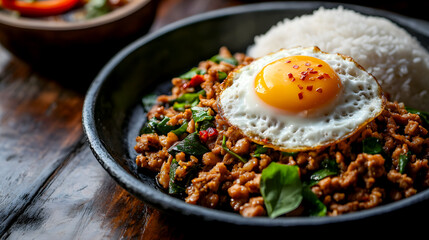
(190,97)
(281,188)
(173,186)
(329,167)
(314,206)
(187,100)
(182,129)
(218,59)
(221,75)
(330,164)
(403,161)
(180,107)
(321,174)
(204,125)
(191,73)
(160,127)
(148,101)
(163,128)
(150,126)
(260,149)
(423,115)
(200,114)
(190,145)
(231,152)
(372,145)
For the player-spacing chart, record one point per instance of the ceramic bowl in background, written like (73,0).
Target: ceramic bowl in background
(76,49)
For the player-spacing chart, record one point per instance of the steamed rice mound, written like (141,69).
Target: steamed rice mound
(394,57)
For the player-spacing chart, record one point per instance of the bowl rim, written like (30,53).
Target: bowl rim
(170,204)
(46,25)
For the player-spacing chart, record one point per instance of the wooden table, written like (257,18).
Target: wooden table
(51,186)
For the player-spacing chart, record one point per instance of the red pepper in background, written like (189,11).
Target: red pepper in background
(39,8)
(207,134)
(195,81)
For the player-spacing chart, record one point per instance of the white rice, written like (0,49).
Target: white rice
(394,57)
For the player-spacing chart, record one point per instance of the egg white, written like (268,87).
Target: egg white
(359,102)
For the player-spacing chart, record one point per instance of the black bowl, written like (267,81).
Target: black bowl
(113,115)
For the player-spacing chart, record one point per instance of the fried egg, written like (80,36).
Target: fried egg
(300,99)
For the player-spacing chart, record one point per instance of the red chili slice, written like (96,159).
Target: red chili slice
(195,81)
(204,136)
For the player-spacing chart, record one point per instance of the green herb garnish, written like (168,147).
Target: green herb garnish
(173,187)
(187,100)
(403,161)
(182,129)
(190,145)
(281,188)
(329,167)
(260,149)
(201,116)
(150,126)
(221,75)
(148,101)
(372,145)
(218,59)
(161,127)
(314,206)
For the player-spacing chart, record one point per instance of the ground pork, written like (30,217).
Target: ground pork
(218,179)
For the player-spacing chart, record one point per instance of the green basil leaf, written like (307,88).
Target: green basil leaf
(163,128)
(329,167)
(173,186)
(149,127)
(187,100)
(160,127)
(281,188)
(330,164)
(181,107)
(200,114)
(191,73)
(218,59)
(231,152)
(182,129)
(423,115)
(221,75)
(190,145)
(204,125)
(321,174)
(372,145)
(260,149)
(403,161)
(190,97)
(314,206)
(148,101)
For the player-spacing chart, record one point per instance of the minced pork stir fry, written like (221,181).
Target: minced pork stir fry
(200,158)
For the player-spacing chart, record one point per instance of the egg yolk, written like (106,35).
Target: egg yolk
(297,83)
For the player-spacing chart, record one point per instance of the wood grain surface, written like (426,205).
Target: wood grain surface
(51,186)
